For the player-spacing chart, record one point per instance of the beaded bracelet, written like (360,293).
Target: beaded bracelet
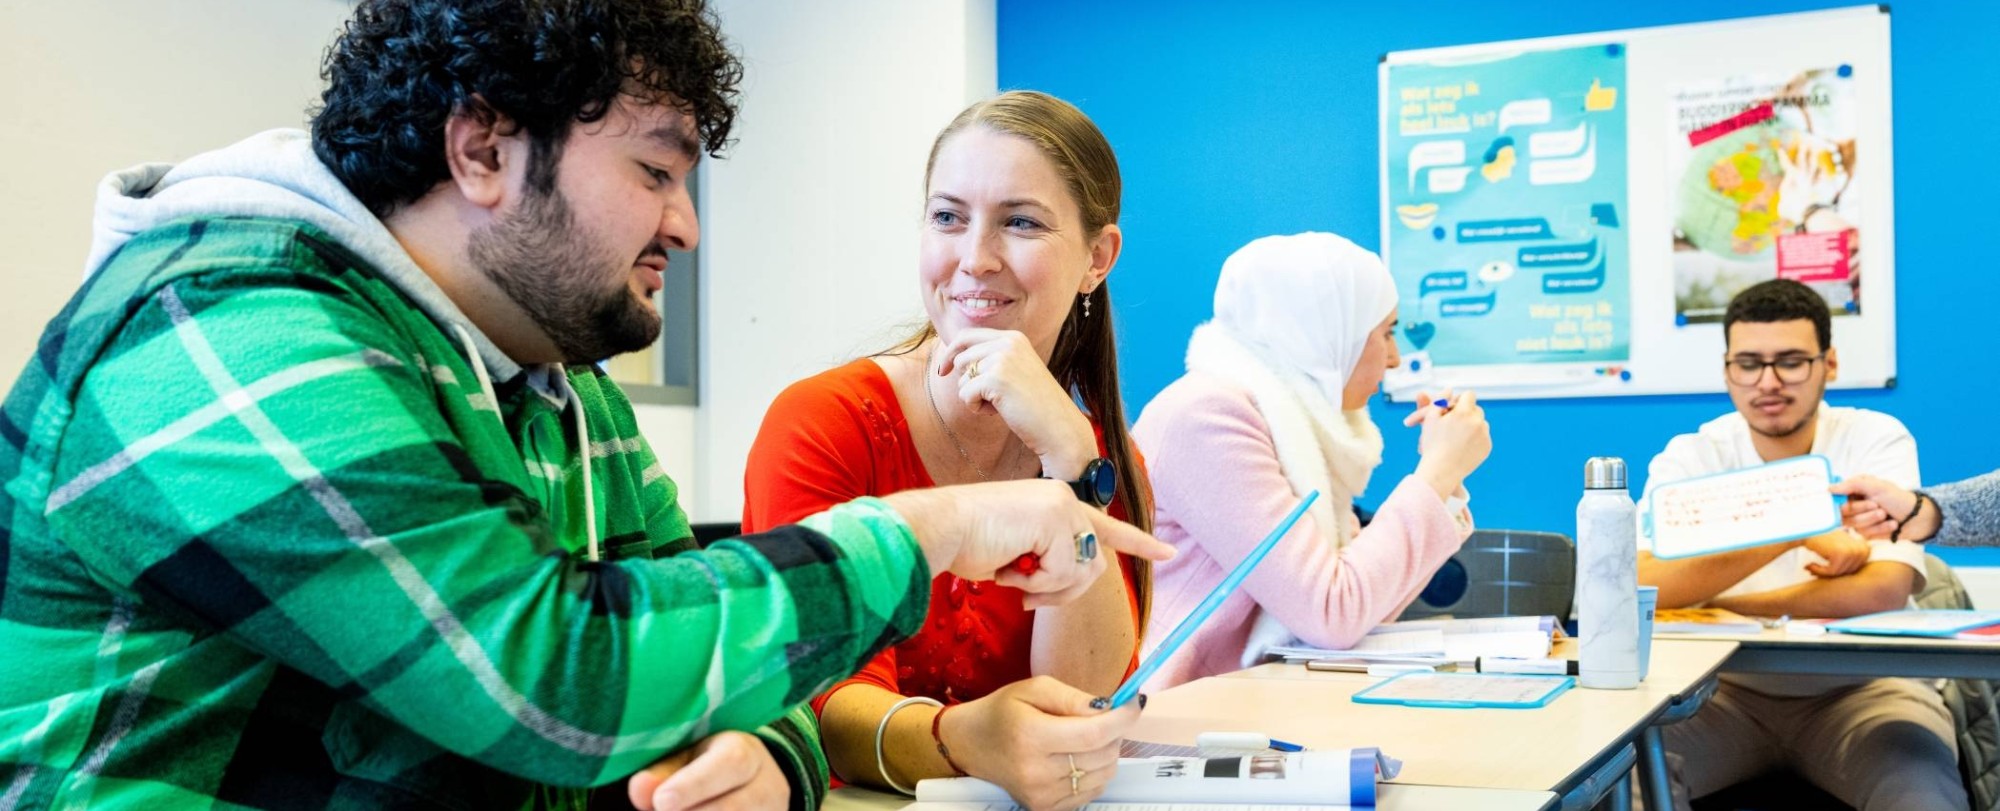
(881,729)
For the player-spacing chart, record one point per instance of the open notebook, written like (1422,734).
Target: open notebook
(1321,779)
(1448,640)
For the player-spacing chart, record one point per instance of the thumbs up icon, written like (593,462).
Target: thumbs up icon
(1600,97)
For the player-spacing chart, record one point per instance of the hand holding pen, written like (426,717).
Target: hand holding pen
(1429,408)
(1046,743)
(1454,442)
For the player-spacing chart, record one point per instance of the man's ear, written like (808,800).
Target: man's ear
(1832,364)
(486,153)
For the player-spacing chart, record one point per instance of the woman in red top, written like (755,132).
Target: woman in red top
(1020,232)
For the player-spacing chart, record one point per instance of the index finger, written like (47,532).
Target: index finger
(1127,539)
(1426,407)
(965,339)
(641,787)
(1067,734)
(725,764)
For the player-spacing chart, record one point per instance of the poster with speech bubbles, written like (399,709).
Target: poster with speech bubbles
(1505,214)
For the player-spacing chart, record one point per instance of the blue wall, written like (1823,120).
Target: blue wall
(1233,121)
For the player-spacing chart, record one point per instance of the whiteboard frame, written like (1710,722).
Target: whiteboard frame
(1868,359)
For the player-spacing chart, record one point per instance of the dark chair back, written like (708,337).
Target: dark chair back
(1503,573)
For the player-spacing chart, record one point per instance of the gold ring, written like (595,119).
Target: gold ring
(972,370)
(1075,775)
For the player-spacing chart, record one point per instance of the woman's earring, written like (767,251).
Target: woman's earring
(1086,305)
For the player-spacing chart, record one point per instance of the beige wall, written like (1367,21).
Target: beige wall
(89,86)
(809,235)
(809,228)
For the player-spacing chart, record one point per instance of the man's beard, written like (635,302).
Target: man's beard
(544,262)
(1804,421)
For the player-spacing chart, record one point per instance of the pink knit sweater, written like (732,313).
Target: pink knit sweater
(1218,490)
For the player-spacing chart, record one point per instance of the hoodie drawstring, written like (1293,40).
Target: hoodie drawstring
(478,365)
(583,444)
(574,404)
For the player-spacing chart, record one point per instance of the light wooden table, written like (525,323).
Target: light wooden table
(1582,744)
(1391,797)
(1773,650)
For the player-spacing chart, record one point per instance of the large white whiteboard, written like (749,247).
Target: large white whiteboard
(1662,63)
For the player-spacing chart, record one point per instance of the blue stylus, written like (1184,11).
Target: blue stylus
(1130,689)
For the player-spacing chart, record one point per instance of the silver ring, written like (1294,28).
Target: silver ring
(1075,775)
(1086,546)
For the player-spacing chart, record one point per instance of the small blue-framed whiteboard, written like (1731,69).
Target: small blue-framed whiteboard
(1467,690)
(1942,622)
(1738,509)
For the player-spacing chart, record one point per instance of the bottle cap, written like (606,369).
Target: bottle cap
(1604,473)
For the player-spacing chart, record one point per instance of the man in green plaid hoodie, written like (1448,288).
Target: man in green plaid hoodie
(305,507)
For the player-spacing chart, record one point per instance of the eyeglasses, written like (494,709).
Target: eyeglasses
(1746,370)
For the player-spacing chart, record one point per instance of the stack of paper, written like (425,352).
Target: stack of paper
(1703,621)
(1438,641)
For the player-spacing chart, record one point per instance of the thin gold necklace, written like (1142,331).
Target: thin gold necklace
(949,434)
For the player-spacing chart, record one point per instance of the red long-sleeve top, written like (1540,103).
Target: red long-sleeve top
(841,435)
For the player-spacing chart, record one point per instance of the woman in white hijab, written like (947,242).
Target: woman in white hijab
(1275,405)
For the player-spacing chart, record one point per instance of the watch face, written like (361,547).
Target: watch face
(1102,477)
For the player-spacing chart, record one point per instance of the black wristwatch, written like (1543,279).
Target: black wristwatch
(1098,485)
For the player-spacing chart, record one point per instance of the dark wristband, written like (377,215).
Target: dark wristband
(1897,533)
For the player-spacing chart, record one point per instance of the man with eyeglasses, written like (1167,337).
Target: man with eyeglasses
(1871,743)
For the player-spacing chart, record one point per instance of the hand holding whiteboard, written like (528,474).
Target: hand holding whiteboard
(1780,501)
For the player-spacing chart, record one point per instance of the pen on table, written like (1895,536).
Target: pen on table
(1532,667)
(1243,740)
(1377,666)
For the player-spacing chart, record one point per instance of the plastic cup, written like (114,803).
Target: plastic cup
(1649,598)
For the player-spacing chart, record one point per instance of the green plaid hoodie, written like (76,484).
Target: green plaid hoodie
(268,540)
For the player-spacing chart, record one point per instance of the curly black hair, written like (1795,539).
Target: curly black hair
(401,68)
(1777,300)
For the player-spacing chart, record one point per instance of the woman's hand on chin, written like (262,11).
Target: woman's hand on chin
(999,372)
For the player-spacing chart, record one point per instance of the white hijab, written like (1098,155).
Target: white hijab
(1307,301)
(1293,315)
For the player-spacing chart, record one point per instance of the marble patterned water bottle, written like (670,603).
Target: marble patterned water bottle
(1607,578)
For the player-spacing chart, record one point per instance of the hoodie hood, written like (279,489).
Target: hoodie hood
(272,174)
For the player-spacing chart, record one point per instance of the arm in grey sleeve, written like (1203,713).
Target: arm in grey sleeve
(1968,511)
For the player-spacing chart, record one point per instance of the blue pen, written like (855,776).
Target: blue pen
(1130,689)
(1442,403)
